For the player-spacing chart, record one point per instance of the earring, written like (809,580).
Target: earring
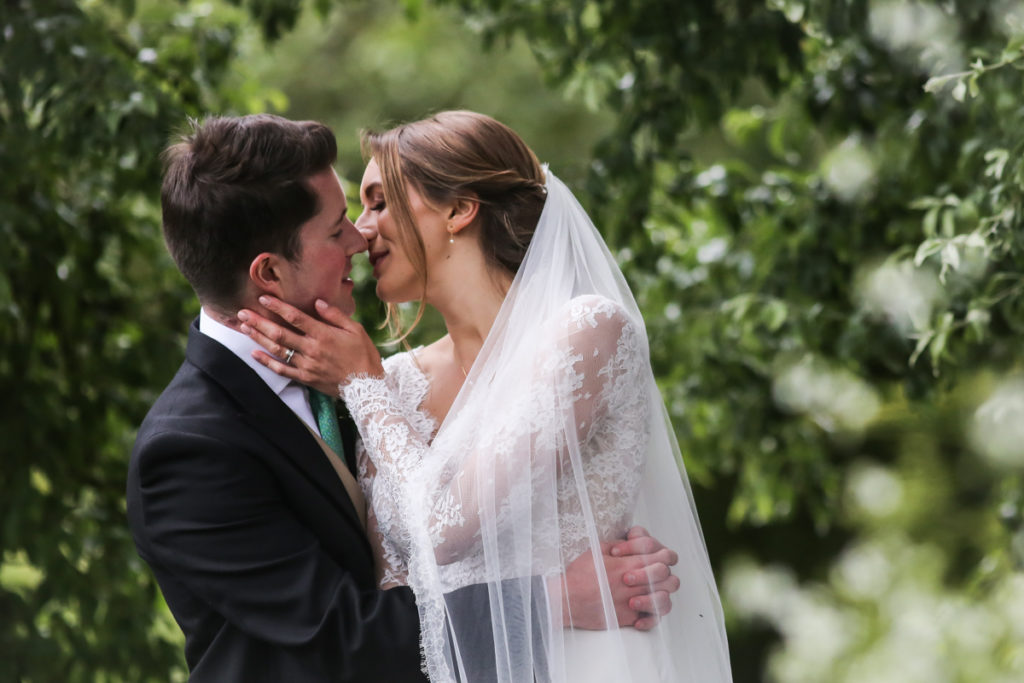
(451,234)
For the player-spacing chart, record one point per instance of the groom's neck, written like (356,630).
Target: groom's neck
(226,313)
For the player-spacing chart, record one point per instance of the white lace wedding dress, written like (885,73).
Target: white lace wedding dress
(598,368)
(557,442)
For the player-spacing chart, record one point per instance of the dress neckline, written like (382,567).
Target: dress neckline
(413,388)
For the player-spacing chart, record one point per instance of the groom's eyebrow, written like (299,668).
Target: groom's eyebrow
(343,216)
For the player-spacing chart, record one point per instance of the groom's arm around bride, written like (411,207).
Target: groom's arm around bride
(258,549)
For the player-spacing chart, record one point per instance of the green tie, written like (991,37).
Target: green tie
(327,420)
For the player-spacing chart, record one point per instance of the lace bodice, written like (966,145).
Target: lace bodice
(591,376)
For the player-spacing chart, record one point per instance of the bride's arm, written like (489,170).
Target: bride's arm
(327,353)
(585,359)
(592,351)
(391,570)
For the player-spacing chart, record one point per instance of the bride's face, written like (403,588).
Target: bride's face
(398,278)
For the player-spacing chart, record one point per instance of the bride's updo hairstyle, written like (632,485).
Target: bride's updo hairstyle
(460,155)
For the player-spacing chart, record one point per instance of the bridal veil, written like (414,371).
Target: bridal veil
(558,440)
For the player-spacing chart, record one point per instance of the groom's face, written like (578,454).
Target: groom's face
(327,241)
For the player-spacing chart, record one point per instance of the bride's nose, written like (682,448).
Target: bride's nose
(366,225)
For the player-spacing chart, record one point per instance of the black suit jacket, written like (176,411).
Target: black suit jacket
(255,545)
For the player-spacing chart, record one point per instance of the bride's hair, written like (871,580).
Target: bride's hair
(460,155)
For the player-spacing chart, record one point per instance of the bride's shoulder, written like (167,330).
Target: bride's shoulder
(599,330)
(430,358)
(402,364)
(420,363)
(597,313)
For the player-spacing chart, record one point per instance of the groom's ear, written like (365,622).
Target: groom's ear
(265,273)
(462,213)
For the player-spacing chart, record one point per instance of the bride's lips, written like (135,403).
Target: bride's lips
(375,260)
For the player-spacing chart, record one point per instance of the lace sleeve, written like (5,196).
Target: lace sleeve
(387,559)
(576,381)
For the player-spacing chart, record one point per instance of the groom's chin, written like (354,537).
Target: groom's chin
(347,305)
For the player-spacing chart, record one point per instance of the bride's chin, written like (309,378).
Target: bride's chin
(390,297)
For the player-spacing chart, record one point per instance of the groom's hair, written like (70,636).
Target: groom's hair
(235,187)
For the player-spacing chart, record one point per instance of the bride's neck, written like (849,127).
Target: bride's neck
(469,314)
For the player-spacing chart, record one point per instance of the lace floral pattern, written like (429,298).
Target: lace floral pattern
(410,387)
(588,383)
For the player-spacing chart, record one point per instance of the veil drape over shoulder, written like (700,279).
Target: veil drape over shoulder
(558,441)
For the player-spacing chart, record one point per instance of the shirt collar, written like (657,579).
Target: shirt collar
(242,346)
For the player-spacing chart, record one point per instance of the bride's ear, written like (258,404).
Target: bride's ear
(462,213)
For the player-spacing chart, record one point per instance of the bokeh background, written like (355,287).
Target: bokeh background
(818,204)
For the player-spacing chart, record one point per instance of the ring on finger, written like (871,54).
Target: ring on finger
(288,353)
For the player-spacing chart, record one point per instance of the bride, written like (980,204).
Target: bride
(531,433)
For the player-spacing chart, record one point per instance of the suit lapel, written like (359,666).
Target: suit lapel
(266,414)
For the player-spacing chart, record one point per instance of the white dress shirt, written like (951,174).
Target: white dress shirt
(292,393)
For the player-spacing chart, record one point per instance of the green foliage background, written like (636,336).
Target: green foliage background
(818,204)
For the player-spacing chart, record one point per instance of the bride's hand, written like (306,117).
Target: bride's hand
(325,354)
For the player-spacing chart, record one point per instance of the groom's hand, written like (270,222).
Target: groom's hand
(639,577)
(653,578)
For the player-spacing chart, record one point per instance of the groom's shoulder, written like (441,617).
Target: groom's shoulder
(191,403)
(193,430)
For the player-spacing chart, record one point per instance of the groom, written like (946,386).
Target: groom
(251,521)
